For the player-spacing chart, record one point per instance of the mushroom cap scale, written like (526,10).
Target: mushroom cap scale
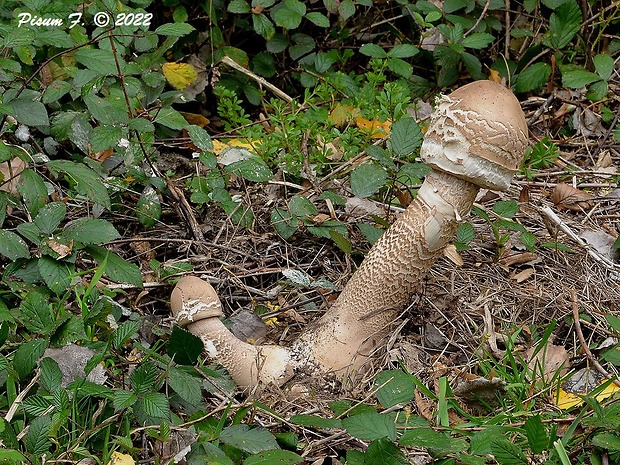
(478,133)
(193,299)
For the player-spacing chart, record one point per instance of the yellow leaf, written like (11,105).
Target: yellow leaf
(121,459)
(179,75)
(581,383)
(375,128)
(342,114)
(195,118)
(218,146)
(494,76)
(251,145)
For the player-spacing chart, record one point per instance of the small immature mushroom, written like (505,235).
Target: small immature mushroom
(477,138)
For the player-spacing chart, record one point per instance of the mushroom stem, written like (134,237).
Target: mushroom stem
(383,286)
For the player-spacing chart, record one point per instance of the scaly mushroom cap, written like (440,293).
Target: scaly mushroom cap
(477,133)
(193,300)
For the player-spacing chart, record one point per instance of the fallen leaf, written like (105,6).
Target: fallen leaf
(9,174)
(547,361)
(453,255)
(121,459)
(495,76)
(523,275)
(580,384)
(195,119)
(518,258)
(342,114)
(179,75)
(375,129)
(565,196)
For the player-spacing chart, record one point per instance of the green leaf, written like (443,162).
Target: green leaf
(373,51)
(397,388)
(155,405)
(117,269)
(12,246)
(85,181)
(11,456)
(89,231)
(174,29)
(604,65)
(316,421)
(302,208)
(284,223)
(465,233)
(55,91)
(288,14)
(272,457)
(608,441)
(400,67)
(403,51)
(148,208)
(264,27)
(434,440)
(51,376)
(405,137)
(506,208)
(200,137)
(35,312)
(26,357)
(33,190)
(370,425)
(50,216)
(341,241)
(533,77)
(382,451)
(529,240)
(123,333)
(105,137)
(36,439)
(100,61)
(170,118)
(123,399)
(184,347)
(239,7)
(370,232)
(477,40)
(318,19)
(346,9)
(36,405)
(564,24)
(575,77)
(597,91)
(613,321)
(507,453)
(536,434)
(55,273)
(252,169)
(367,179)
(253,440)
(185,385)
(29,112)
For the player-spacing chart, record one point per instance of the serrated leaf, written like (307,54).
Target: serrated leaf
(604,65)
(528,240)
(36,441)
(608,441)
(186,386)
(400,67)
(533,77)
(507,453)
(477,40)
(179,75)
(405,136)
(27,355)
(239,7)
(170,118)
(397,388)
(35,312)
(155,405)
(263,26)
(367,179)
(100,61)
(465,233)
(36,405)
(564,24)
(341,241)
(51,376)
(249,440)
(33,190)
(288,14)
(318,19)
(105,137)
(506,208)
(116,268)
(370,232)
(29,112)
(252,169)
(56,274)
(122,334)
(55,91)
(174,29)
(403,51)
(50,216)
(184,347)
(536,434)
(85,181)
(302,208)
(148,208)
(297,277)
(273,457)
(12,246)
(90,231)
(316,421)
(284,223)
(575,77)
(431,439)
(200,137)
(123,399)
(370,425)
(373,51)
(11,456)
(384,452)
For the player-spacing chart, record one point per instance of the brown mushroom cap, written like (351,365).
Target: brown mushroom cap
(478,133)
(193,299)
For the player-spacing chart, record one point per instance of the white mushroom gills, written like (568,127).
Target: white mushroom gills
(477,138)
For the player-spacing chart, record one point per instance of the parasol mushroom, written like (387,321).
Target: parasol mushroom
(476,138)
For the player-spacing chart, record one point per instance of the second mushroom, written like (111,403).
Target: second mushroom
(477,138)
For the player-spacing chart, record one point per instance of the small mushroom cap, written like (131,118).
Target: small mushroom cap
(194,299)
(477,133)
